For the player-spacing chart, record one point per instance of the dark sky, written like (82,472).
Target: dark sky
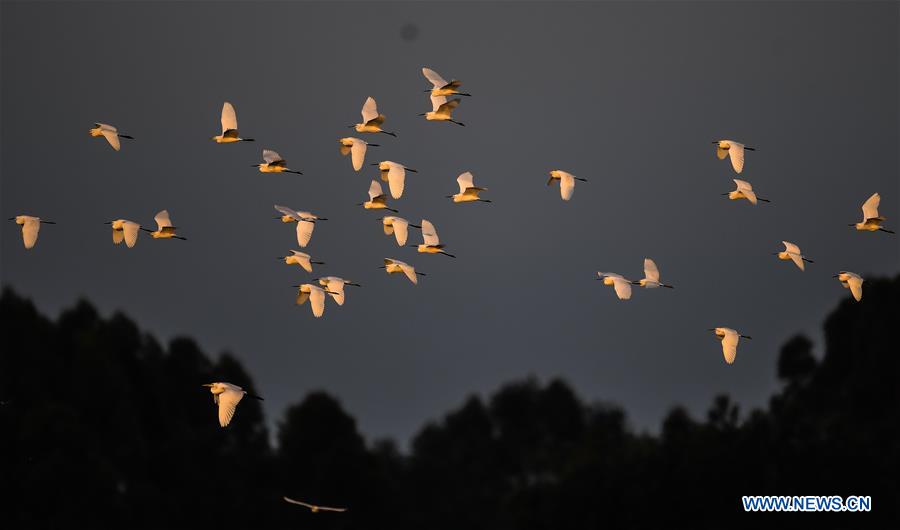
(627,95)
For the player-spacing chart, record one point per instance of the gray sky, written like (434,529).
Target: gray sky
(627,95)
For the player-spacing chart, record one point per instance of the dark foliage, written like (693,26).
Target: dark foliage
(103,427)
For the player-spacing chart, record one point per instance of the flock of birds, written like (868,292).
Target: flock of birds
(227,396)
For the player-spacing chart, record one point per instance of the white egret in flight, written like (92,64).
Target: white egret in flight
(30,228)
(356,148)
(431,244)
(395,175)
(792,252)
(314,508)
(733,149)
(164,228)
(393,266)
(651,276)
(871,220)
(621,284)
(227,397)
(306,222)
(468,192)
(377,198)
(440,86)
(229,127)
(110,133)
(729,338)
(274,163)
(371,119)
(566,182)
(125,230)
(397,226)
(744,191)
(852,281)
(315,295)
(334,286)
(442,110)
(300,258)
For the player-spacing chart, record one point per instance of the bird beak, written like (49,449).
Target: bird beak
(108,223)
(207,384)
(411,169)
(711,329)
(836,275)
(747,337)
(11,219)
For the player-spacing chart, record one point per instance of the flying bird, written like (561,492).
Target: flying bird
(397,226)
(315,295)
(852,281)
(792,252)
(871,220)
(442,110)
(468,192)
(371,119)
(377,198)
(30,228)
(306,222)
(566,182)
(733,149)
(356,148)
(301,258)
(229,127)
(395,175)
(393,266)
(164,228)
(274,163)
(125,230)
(227,397)
(621,285)
(430,242)
(110,133)
(729,338)
(651,276)
(744,191)
(315,508)
(440,86)
(334,286)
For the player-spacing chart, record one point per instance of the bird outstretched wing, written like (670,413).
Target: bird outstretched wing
(228,402)
(229,119)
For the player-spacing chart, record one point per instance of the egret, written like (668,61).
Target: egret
(274,163)
(744,191)
(430,242)
(733,149)
(852,281)
(164,228)
(621,285)
(393,266)
(371,120)
(227,397)
(315,508)
(566,182)
(440,86)
(357,149)
(395,175)
(871,220)
(397,226)
(30,228)
(468,192)
(301,258)
(315,295)
(306,222)
(229,127)
(377,198)
(110,133)
(792,252)
(651,276)
(442,110)
(335,287)
(125,230)
(729,338)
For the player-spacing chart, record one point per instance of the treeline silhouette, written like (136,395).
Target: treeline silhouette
(103,427)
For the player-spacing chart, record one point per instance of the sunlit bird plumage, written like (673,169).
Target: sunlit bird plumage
(109,132)
(651,276)
(377,198)
(730,339)
(440,86)
(398,227)
(164,227)
(734,150)
(356,148)
(274,163)
(30,227)
(301,258)
(395,175)
(334,286)
(431,244)
(125,230)
(306,222)
(621,284)
(227,397)
(442,110)
(566,182)
(315,295)
(371,119)
(229,127)
(792,252)
(871,220)
(468,192)
(394,266)
(744,191)
(852,281)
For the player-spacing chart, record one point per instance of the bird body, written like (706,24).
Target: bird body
(274,163)
(356,148)
(792,252)
(377,198)
(164,228)
(440,86)
(306,222)
(442,110)
(730,339)
(744,191)
(371,119)
(468,192)
(227,397)
(110,133)
(394,266)
(621,284)
(301,258)
(651,276)
(566,182)
(395,175)
(229,127)
(732,149)
(871,220)
(431,244)
(852,281)
(30,227)
(125,230)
